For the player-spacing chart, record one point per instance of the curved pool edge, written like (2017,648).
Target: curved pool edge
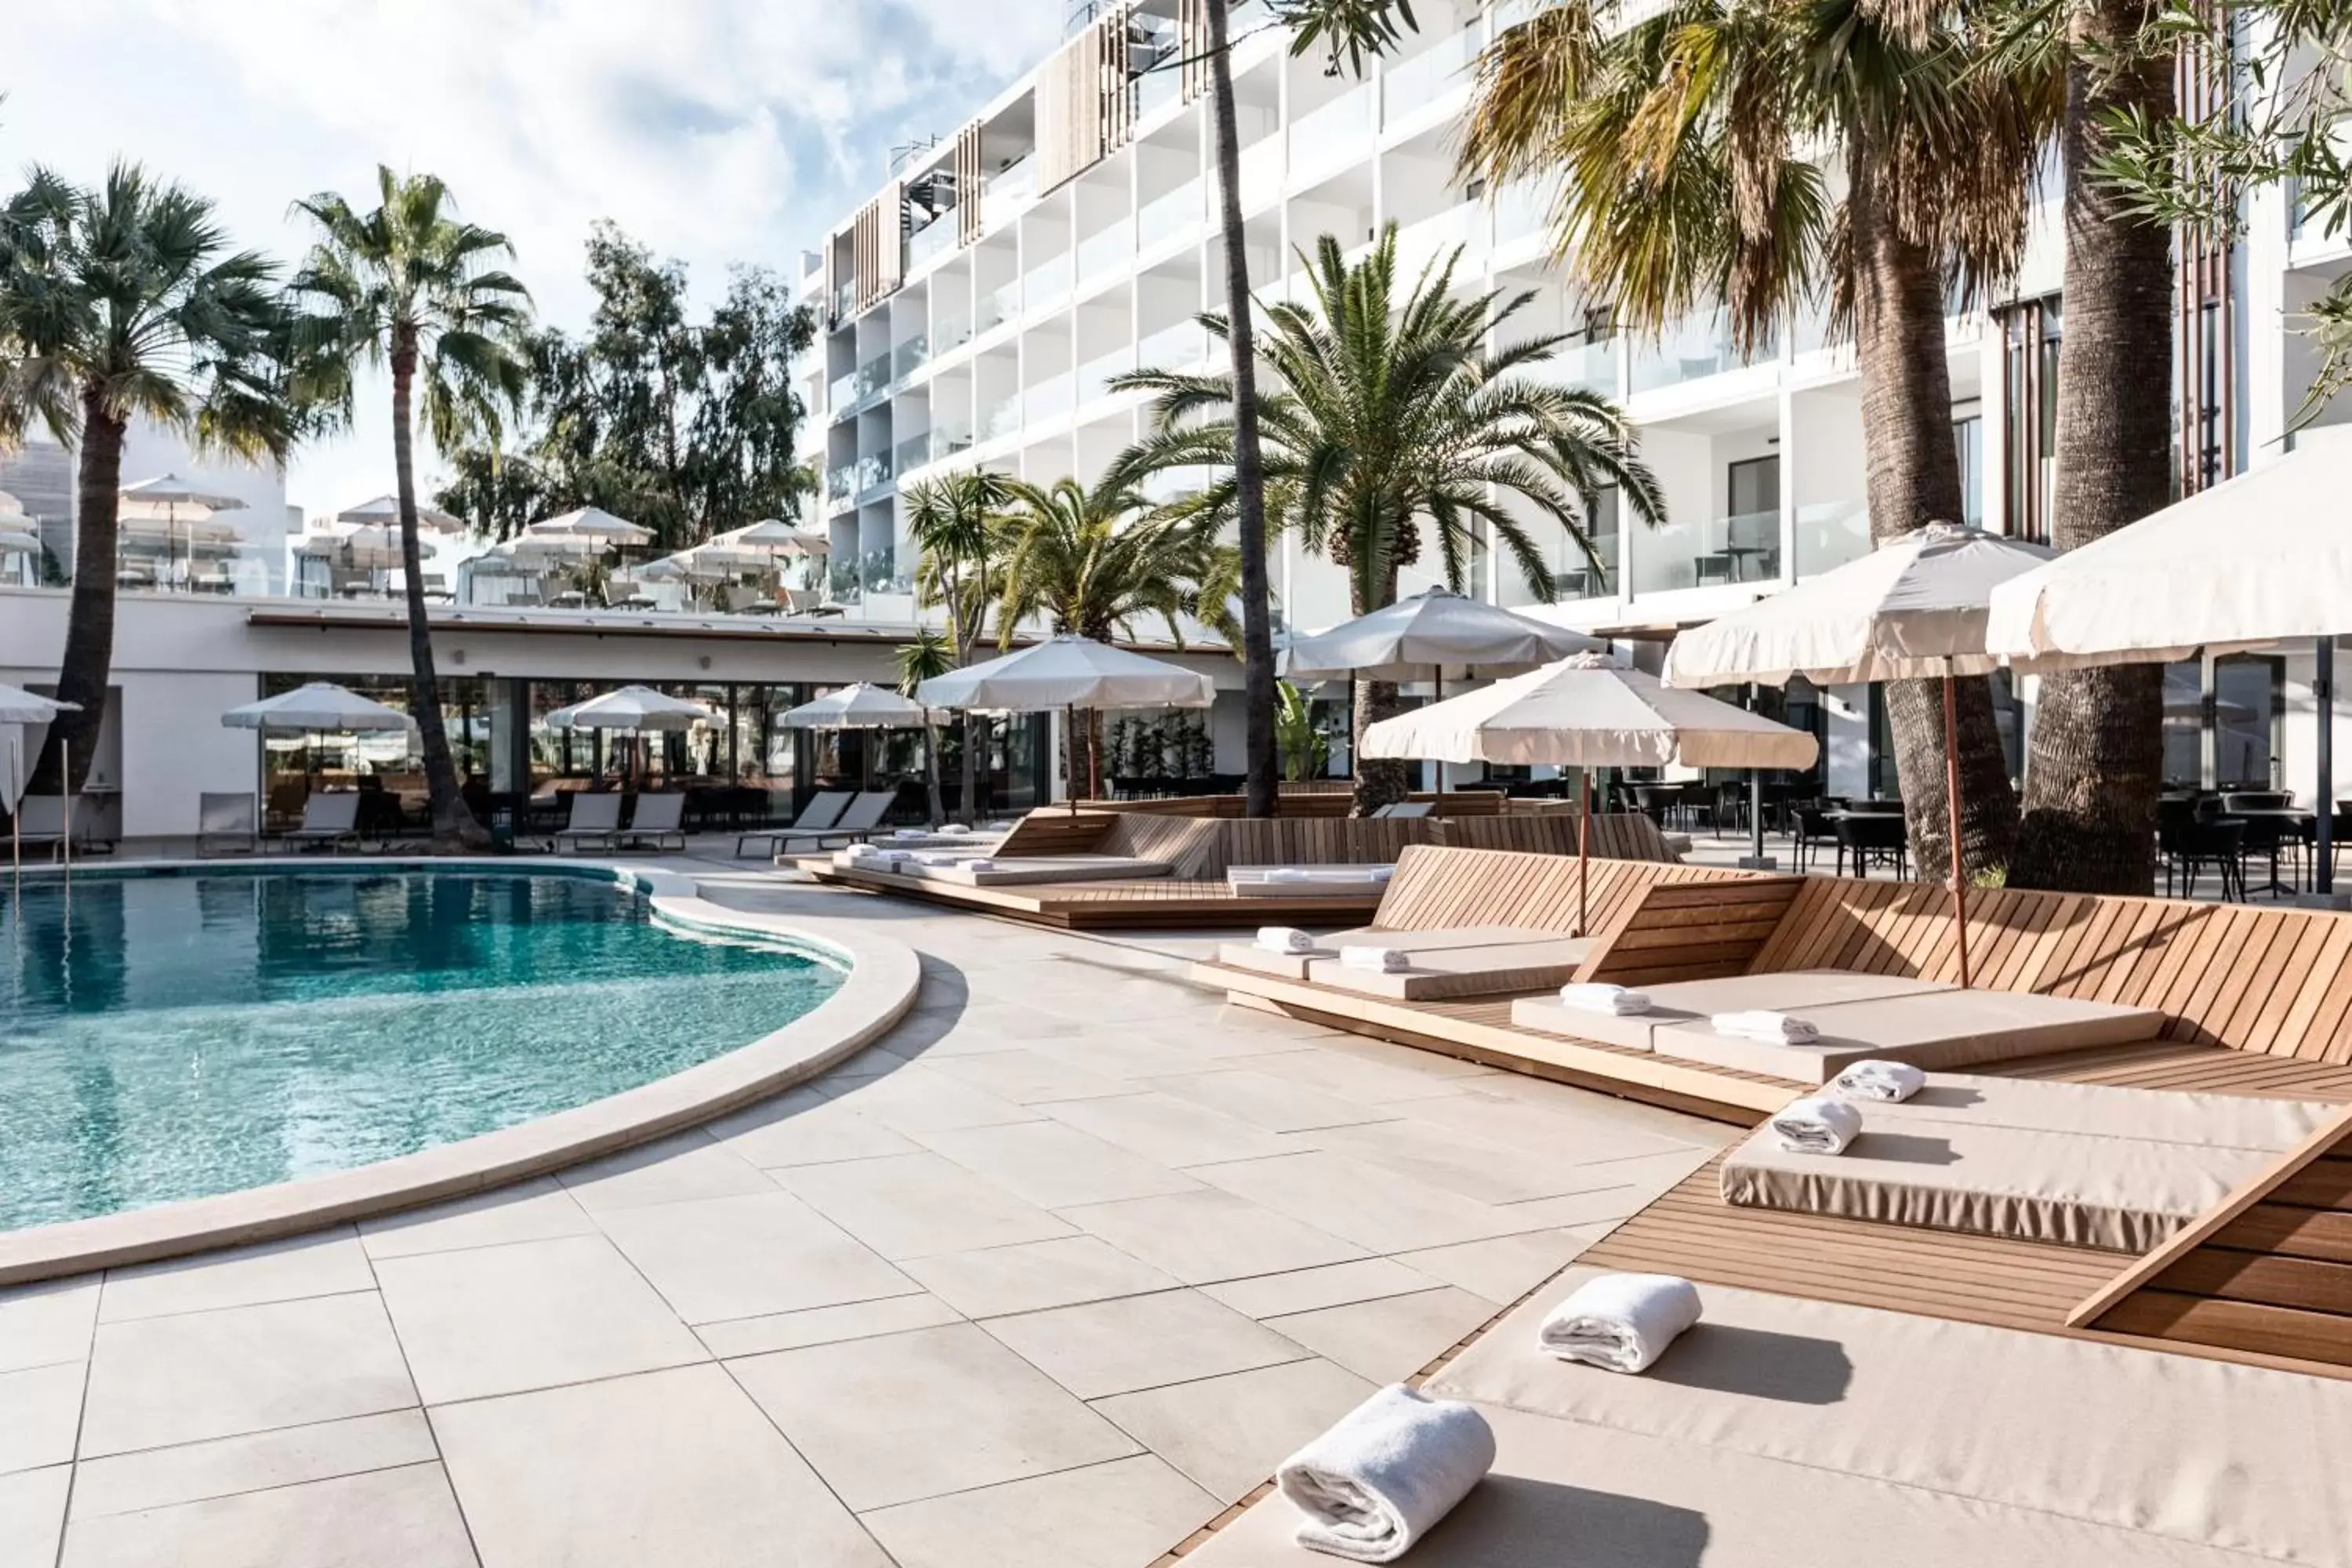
(874,996)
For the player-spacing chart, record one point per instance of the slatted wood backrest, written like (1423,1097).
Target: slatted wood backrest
(2273,981)
(1439,886)
(1691,931)
(1321,841)
(1192,846)
(1055,830)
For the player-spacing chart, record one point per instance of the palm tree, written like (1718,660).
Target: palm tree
(117,302)
(1093,563)
(920,661)
(950,520)
(411,285)
(1688,152)
(2097,763)
(1386,422)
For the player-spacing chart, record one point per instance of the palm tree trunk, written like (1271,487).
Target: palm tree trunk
(931,770)
(87,668)
(1384,781)
(1913,479)
(455,830)
(2096,764)
(1261,792)
(968,798)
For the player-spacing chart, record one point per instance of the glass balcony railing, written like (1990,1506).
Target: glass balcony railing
(1576,577)
(1692,353)
(874,376)
(1462,226)
(936,237)
(1005,193)
(1595,365)
(1000,419)
(909,357)
(1520,212)
(1334,131)
(1412,85)
(844,301)
(1830,534)
(998,306)
(1046,285)
(1179,347)
(841,483)
(932,446)
(843,392)
(1095,375)
(872,472)
(1159,87)
(1049,398)
(1745,548)
(1165,217)
(1107,249)
(912,453)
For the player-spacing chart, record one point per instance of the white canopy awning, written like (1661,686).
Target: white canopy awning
(385,511)
(172,491)
(18,706)
(859,707)
(590,523)
(320,706)
(632,707)
(1588,712)
(1069,672)
(775,535)
(1429,631)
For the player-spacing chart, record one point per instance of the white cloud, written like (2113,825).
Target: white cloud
(715,131)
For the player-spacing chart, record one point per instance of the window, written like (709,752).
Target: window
(2029,387)
(2247,715)
(1968,436)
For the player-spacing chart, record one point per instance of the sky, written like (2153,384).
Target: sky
(714,131)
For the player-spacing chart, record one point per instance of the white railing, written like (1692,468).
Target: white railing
(1107,249)
(1005,191)
(1334,131)
(1165,217)
(1046,284)
(1049,398)
(1180,347)
(1095,375)
(1412,85)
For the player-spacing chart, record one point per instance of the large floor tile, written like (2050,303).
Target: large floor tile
(1168,1131)
(1030,1277)
(675,1466)
(530,1211)
(1029,1077)
(910,1205)
(1305,1289)
(806,1127)
(1129,1058)
(1206,1235)
(675,1169)
(498,1320)
(741,1258)
(1542,1129)
(404,1518)
(49,1323)
(826,1325)
(1506,1268)
(1141,1341)
(1227,1433)
(1392,1337)
(325,1265)
(918,1414)
(1446,1158)
(1355,1078)
(1118,1515)
(191,1472)
(1276,1104)
(194,1376)
(921,1098)
(1376,1209)
(33,1515)
(1055,1167)
(40,1412)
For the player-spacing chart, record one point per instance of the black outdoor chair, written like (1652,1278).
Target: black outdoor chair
(2187,848)
(1874,838)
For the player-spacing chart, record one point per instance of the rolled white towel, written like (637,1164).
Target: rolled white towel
(1382,873)
(953,827)
(1382,1477)
(1890,1081)
(1623,1323)
(1761,1025)
(1615,1000)
(976,863)
(916,833)
(1816,1126)
(1289,874)
(1286,939)
(1381,960)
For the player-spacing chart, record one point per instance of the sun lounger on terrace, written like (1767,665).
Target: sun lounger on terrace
(1306,881)
(225,822)
(40,822)
(2261,1122)
(857,820)
(1440,973)
(328,820)
(823,809)
(595,818)
(1951,1028)
(657,817)
(1693,1002)
(1027,869)
(1293,965)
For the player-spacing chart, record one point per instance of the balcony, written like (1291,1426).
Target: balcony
(1180,347)
(933,445)
(1164,217)
(1744,547)
(1592,365)
(1694,351)
(1332,133)
(1830,534)
(1000,419)
(1050,398)
(1005,193)
(842,393)
(872,472)
(1095,375)
(845,302)
(936,237)
(841,484)
(1107,249)
(874,376)
(1159,87)
(1424,244)
(1047,285)
(909,357)
(1521,212)
(1412,84)
(997,307)
(1577,578)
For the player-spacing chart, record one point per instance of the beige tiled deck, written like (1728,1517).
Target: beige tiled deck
(1065,1265)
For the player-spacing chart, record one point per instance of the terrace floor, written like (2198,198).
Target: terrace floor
(1050,1275)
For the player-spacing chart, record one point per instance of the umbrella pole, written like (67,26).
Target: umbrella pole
(1070,753)
(65,783)
(1583,847)
(1437,694)
(1952,809)
(2323,693)
(16,813)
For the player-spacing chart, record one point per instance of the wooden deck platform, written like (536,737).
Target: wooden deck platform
(1143,903)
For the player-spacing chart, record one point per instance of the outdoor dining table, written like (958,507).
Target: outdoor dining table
(2293,826)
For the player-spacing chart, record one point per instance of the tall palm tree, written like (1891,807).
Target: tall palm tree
(1688,151)
(118,302)
(2097,743)
(950,520)
(1095,563)
(410,286)
(1387,421)
(924,658)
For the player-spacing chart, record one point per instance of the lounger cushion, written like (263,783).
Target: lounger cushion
(1319,881)
(1695,1001)
(1935,1029)
(1441,973)
(2075,1189)
(1032,868)
(1293,967)
(2097,1110)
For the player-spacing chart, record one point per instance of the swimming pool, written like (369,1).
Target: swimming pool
(174,1037)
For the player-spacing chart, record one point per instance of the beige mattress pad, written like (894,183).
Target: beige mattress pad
(1293,967)
(1440,973)
(2151,1115)
(1694,1001)
(1028,869)
(1941,1029)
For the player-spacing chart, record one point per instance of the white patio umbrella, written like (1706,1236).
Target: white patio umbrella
(318,708)
(2258,560)
(384,512)
(591,524)
(19,709)
(859,707)
(372,547)
(170,494)
(1068,673)
(777,536)
(1911,610)
(1588,712)
(634,709)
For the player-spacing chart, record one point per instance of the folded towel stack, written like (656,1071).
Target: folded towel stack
(1381,1480)
(1381,960)
(1891,1081)
(1779,1027)
(976,863)
(1614,999)
(1623,1323)
(1817,1126)
(1285,938)
(874,857)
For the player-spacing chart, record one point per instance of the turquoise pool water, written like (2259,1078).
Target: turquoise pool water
(172,1036)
